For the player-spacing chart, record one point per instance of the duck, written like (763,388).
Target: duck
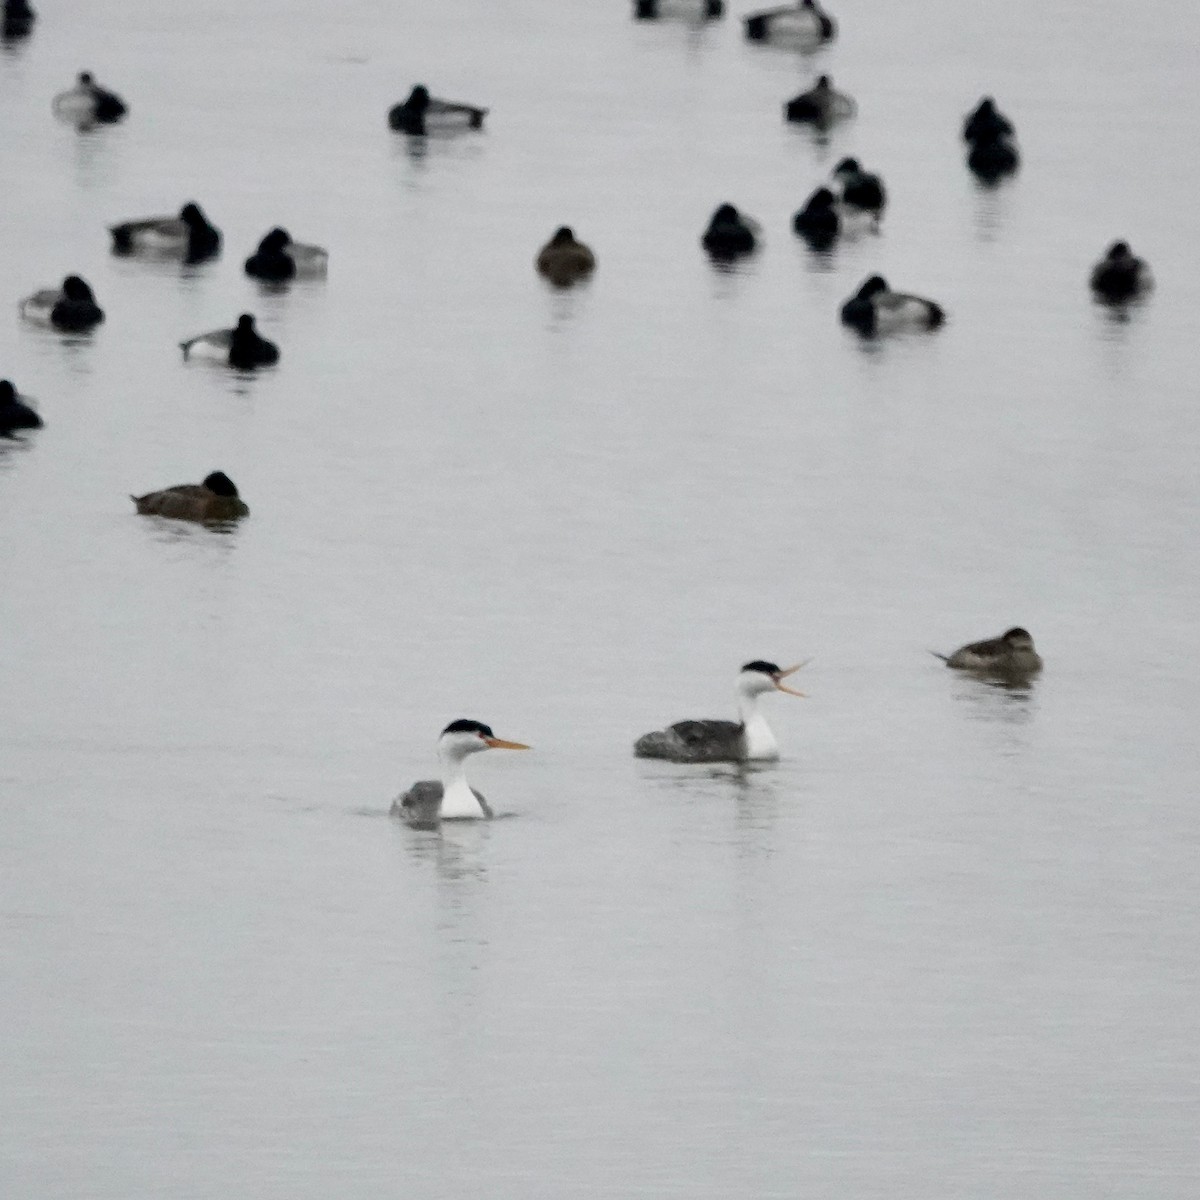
(279,258)
(14,412)
(216,499)
(861,191)
(729,233)
(805,23)
(87,103)
(430,801)
(190,235)
(16,19)
(240,347)
(749,739)
(818,222)
(71,308)
(986,121)
(705,10)
(563,260)
(1011,654)
(1120,275)
(821,105)
(875,308)
(421,112)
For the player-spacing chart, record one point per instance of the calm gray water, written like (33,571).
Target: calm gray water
(948,947)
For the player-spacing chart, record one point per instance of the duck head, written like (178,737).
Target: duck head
(74,288)
(1018,638)
(220,484)
(1118,251)
(875,286)
(8,393)
(191,216)
(418,99)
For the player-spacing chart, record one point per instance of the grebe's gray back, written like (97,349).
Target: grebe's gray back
(746,740)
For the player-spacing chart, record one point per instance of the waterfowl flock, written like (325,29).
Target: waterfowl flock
(851,194)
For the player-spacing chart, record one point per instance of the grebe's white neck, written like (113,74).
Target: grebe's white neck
(459,803)
(756,733)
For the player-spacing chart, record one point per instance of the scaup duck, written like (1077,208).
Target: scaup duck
(430,801)
(190,235)
(806,23)
(216,499)
(278,258)
(14,412)
(818,222)
(704,10)
(875,308)
(240,347)
(563,260)
(422,112)
(730,233)
(71,308)
(821,105)
(1120,275)
(87,103)
(861,190)
(1011,654)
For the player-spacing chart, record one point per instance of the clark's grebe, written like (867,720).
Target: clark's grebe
(747,739)
(451,798)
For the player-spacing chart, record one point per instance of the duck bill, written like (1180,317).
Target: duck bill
(500,744)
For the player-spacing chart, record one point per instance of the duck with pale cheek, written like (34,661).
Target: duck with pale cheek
(451,798)
(748,739)
(1012,654)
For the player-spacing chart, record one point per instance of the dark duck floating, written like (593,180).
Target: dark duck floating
(421,113)
(216,499)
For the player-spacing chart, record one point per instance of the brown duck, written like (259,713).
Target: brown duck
(216,499)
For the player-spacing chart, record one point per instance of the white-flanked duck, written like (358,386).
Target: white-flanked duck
(748,739)
(875,308)
(821,106)
(15,413)
(1012,654)
(71,308)
(805,24)
(1120,275)
(190,235)
(421,112)
(431,801)
(862,192)
(241,347)
(563,260)
(279,258)
(87,103)
(216,499)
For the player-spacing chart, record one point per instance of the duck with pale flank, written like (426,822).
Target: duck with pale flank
(862,192)
(190,236)
(216,499)
(818,222)
(805,24)
(1120,275)
(430,801)
(821,106)
(1012,655)
(88,104)
(748,739)
(563,260)
(240,347)
(71,308)
(690,10)
(15,413)
(422,112)
(730,234)
(279,258)
(875,308)
(16,19)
